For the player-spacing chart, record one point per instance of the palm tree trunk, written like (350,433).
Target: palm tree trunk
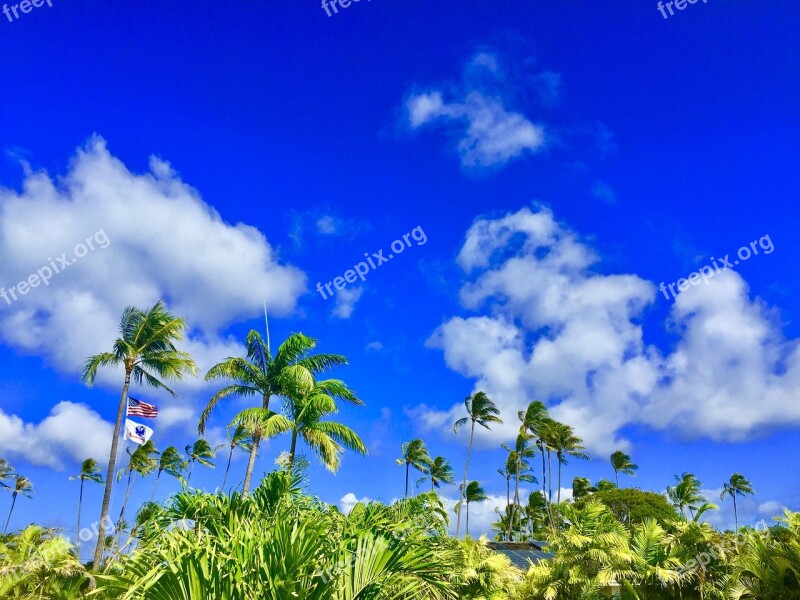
(191,468)
(735,513)
(558,493)
(224,479)
(292,449)
(432,482)
(508,507)
(616,476)
(407,465)
(78,530)
(250,464)
(155,485)
(8,520)
(467,534)
(544,474)
(112,463)
(464,485)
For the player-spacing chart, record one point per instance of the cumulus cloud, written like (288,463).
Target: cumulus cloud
(165,242)
(557,329)
(349,500)
(71,431)
(489,132)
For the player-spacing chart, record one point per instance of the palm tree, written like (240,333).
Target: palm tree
(736,486)
(440,472)
(142,462)
(22,485)
(259,375)
(171,462)
(6,472)
(507,472)
(565,443)
(521,469)
(534,419)
(481,410)
(603,485)
(414,454)
(581,487)
(308,402)
(146,349)
(238,437)
(686,493)
(474,493)
(199,452)
(621,463)
(89,472)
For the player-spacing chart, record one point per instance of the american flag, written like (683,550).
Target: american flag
(137,408)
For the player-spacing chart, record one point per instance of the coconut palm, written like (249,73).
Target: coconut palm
(737,485)
(686,493)
(474,493)
(260,423)
(523,449)
(307,403)
(414,454)
(535,418)
(172,463)
(146,350)
(89,472)
(480,410)
(199,452)
(6,472)
(565,444)
(258,375)
(238,437)
(507,472)
(440,472)
(581,487)
(22,485)
(142,462)
(621,463)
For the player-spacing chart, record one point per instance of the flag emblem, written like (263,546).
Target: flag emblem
(137,408)
(136,432)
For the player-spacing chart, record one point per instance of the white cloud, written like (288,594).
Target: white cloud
(556,329)
(349,500)
(489,132)
(71,431)
(346,300)
(375,346)
(481,515)
(771,508)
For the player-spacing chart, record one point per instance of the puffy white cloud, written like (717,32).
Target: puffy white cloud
(71,432)
(489,133)
(349,500)
(556,329)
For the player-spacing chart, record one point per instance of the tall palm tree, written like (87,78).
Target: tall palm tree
(260,423)
(142,462)
(89,472)
(199,452)
(440,472)
(308,402)
(565,444)
(146,349)
(523,450)
(737,485)
(474,493)
(6,472)
(22,485)
(172,463)
(507,472)
(414,454)
(259,375)
(621,463)
(238,437)
(581,487)
(480,410)
(686,493)
(535,418)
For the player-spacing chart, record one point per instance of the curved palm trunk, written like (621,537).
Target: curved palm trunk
(224,479)
(191,469)
(516,497)
(544,474)
(155,485)
(735,513)
(11,510)
(78,530)
(464,485)
(558,493)
(250,464)
(509,510)
(112,462)
(407,465)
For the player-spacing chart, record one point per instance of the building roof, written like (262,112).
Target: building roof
(522,554)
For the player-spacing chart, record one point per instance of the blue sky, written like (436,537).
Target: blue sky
(561,162)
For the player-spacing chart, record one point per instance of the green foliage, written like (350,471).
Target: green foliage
(631,505)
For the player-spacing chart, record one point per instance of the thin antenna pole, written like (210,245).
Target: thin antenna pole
(266,322)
